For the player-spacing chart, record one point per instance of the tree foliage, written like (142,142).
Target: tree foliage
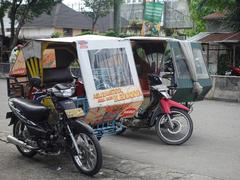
(21,11)
(97,9)
(201,8)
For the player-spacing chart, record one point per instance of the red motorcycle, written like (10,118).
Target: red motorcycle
(234,71)
(171,119)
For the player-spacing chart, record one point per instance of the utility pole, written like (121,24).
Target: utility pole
(117,14)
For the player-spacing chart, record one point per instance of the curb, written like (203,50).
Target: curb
(3,76)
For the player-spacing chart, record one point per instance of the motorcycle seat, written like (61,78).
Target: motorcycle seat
(32,111)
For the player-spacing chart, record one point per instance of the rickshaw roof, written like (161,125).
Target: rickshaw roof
(151,38)
(79,38)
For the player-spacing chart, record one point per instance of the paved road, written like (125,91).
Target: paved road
(213,152)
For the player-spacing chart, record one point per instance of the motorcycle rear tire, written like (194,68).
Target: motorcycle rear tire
(24,152)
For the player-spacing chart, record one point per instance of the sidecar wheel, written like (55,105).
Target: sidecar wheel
(20,132)
(89,161)
(121,132)
(183,127)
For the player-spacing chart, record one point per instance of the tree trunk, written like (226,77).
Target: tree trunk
(21,22)
(2,27)
(117,15)
(15,38)
(93,26)
(12,24)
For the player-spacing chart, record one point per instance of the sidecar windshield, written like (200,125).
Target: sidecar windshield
(110,68)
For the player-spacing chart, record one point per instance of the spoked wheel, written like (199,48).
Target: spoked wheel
(180,132)
(89,161)
(20,131)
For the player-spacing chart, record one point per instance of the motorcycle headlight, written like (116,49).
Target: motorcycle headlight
(64,92)
(67,92)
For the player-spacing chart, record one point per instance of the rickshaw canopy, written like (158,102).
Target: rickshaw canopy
(168,55)
(106,64)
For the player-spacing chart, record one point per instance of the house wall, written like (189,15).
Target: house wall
(76,32)
(217,26)
(132,11)
(33,33)
(59,30)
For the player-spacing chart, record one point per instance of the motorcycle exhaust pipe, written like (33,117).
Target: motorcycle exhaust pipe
(19,143)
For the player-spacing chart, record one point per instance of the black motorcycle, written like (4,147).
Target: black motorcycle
(38,129)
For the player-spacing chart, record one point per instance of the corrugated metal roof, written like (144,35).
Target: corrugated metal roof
(217,37)
(199,36)
(221,37)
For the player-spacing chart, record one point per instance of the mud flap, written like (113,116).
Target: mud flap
(80,126)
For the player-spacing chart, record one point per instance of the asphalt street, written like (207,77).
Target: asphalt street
(213,152)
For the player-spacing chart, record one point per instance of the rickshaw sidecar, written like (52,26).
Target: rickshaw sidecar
(179,63)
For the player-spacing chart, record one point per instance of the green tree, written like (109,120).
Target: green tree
(97,9)
(201,8)
(231,8)
(21,11)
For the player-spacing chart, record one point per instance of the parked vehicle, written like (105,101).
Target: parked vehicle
(172,121)
(50,131)
(233,71)
(172,75)
(67,111)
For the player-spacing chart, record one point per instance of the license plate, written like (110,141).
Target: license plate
(73,113)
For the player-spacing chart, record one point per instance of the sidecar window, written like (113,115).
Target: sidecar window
(180,60)
(199,63)
(167,63)
(110,68)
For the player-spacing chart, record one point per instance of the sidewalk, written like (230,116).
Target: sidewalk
(3,76)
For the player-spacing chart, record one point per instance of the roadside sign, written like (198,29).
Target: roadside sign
(153,12)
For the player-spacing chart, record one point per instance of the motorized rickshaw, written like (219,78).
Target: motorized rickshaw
(180,64)
(51,107)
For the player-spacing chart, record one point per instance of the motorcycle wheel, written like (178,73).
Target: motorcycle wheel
(89,162)
(182,131)
(20,132)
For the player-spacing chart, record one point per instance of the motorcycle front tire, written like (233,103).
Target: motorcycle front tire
(90,140)
(162,132)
